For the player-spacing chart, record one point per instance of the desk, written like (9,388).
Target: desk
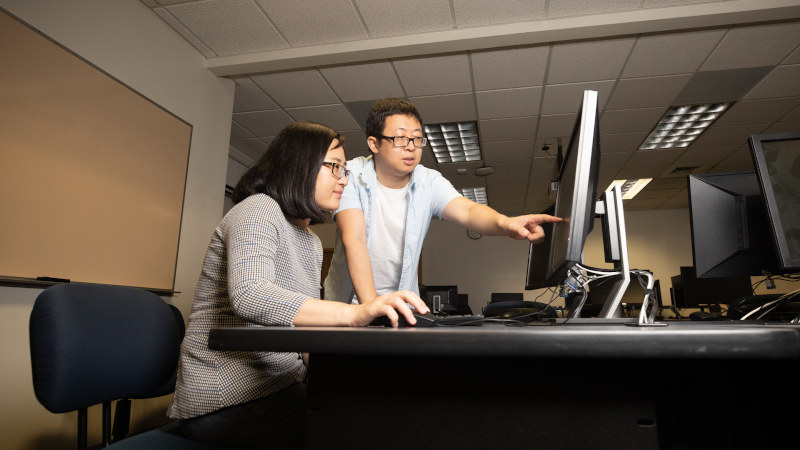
(544,386)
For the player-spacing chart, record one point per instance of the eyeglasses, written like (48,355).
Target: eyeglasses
(402,141)
(337,170)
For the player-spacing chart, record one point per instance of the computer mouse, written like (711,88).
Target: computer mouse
(704,315)
(423,320)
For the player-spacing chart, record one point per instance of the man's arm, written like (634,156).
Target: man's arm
(486,220)
(353,228)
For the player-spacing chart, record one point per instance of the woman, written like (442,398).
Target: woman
(263,268)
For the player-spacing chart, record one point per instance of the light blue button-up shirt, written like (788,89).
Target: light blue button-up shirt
(428,194)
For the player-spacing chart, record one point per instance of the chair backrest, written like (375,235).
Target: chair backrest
(96,343)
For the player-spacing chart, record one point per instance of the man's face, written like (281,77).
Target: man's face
(396,162)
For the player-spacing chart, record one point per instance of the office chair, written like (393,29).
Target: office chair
(94,344)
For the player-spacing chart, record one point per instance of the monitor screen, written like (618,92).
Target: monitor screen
(692,292)
(577,191)
(777,162)
(730,230)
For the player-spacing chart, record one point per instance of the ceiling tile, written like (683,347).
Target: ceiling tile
(782,127)
(473,13)
(673,53)
(748,112)
(297,88)
(446,108)
(368,81)
(184,32)
(695,155)
(780,82)
(511,166)
(321,22)
(516,129)
(334,116)
(723,136)
(661,158)
(544,166)
(249,97)
(614,160)
(565,8)
(497,151)
(238,132)
(633,93)
(621,143)
(253,148)
(588,61)
(490,68)
(630,120)
(263,123)
(791,116)
(566,98)
(740,160)
(435,75)
(557,126)
(355,143)
(754,46)
(229,27)
(504,103)
(400,17)
(720,85)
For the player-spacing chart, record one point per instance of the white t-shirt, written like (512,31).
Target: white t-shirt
(386,246)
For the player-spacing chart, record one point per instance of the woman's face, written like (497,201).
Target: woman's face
(329,188)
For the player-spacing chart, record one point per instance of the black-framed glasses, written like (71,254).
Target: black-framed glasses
(402,141)
(337,170)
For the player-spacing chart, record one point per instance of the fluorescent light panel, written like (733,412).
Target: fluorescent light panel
(454,142)
(477,195)
(681,125)
(629,187)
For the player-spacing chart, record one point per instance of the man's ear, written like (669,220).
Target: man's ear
(372,143)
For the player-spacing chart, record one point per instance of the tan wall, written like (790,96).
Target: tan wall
(148,56)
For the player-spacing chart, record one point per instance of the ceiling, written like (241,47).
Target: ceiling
(519,68)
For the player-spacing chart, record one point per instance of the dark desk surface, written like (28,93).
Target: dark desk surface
(682,339)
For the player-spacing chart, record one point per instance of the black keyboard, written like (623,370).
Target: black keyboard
(459,320)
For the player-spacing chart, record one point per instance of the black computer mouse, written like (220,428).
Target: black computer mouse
(423,320)
(704,315)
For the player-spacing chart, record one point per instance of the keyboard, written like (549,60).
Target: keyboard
(459,320)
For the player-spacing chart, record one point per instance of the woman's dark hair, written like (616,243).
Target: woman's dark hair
(288,170)
(376,120)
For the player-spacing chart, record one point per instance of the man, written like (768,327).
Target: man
(387,207)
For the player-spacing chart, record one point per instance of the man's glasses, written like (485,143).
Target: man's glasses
(402,141)
(337,170)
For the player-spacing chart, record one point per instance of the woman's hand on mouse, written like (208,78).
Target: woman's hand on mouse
(389,305)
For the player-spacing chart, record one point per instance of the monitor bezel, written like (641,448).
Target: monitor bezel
(783,254)
(584,145)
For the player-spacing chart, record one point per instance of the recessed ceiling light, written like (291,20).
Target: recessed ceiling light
(477,194)
(629,187)
(454,142)
(681,125)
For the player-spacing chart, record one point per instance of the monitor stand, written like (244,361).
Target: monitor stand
(616,248)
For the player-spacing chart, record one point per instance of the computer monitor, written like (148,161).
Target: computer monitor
(539,257)
(577,192)
(440,299)
(777,161)
(634,294)
(689,291)
(729,226)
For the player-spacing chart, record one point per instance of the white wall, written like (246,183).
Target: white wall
(127,40)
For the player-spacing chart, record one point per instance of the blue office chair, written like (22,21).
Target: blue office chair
(95,344)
